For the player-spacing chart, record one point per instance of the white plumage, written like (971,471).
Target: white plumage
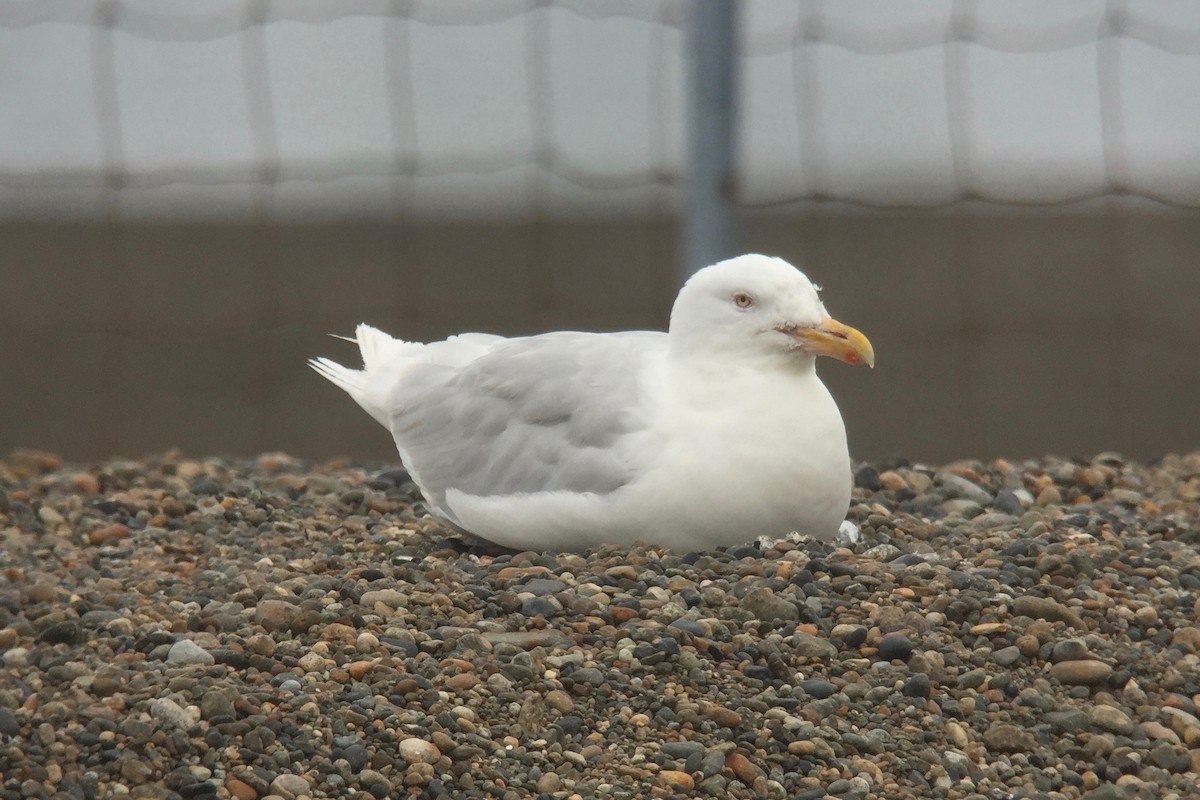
(714,433)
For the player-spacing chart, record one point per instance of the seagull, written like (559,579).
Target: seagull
(715,433)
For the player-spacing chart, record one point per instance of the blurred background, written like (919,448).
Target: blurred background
(1003,194)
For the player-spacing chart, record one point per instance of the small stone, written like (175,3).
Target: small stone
(16,657)
(742,768)
(289,786)
(1044,608)
(817,688)
(462,681)
(356,756)
(240,790)
(895,646)
(866,477)
(8,723)
(1086,672)
(61,632)
(1005,738)
(725,717)
(366,642)
(8,638)
(41,593)
(676,780)
(275,615)
(1070,720)
(1007,656)
(1050,496)
(261,644)
(1111,719)
(1007,502)
(548,637)
(109,533)
(956,734)
(959,487)
(1069,650)
(418,751)
(135,771)
(767,606)
(560,701)
(186,652)
(170,714)
(311,662)
(359,669)
(622,571)
(218,702)
(84,483)
(806,645)
(916,686)
(338,632)
(549,783)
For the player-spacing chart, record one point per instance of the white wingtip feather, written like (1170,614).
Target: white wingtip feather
(351,381)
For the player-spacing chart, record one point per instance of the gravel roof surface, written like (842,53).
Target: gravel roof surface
(183,627)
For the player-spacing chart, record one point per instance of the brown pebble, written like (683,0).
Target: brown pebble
(560,701)
(1050,496)
(674,779)
(725,717)
(621,614)
(358,669)
(85,483)
(549,783)
(462,681)
(1088,672)
(1005,738)
(109,533)
(1028,645)
(240,790)
(1044,608)
(742,768)
(8,638)
(516,572)
(41,593)
(1189,637)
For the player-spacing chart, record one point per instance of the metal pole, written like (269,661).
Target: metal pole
(709,228)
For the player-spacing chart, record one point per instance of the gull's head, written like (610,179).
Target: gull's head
(762,308)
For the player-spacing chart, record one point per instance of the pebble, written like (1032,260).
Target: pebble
(895,646)
(1111,719)
(270,628)
(418,751)
(1005,738)
(187,652)
(275,615)
(289,786)
(1070,650)
(1044,608)
(768,606)
(1083,672)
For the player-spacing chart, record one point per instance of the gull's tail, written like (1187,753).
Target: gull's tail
(385,360)
(382,358)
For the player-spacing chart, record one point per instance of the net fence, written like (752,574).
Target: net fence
(545,108)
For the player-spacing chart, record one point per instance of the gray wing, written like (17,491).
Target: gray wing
(535,414)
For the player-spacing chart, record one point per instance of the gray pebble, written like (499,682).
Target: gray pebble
(185,652)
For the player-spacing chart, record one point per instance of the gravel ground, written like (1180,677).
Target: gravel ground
(271,628)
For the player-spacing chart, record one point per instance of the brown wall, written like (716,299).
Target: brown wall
(1011,333)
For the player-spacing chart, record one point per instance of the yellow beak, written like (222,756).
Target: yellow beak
(832,338)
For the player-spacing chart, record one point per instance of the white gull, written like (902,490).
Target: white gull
(715,433)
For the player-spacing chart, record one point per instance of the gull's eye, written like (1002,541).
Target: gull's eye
(743,300)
